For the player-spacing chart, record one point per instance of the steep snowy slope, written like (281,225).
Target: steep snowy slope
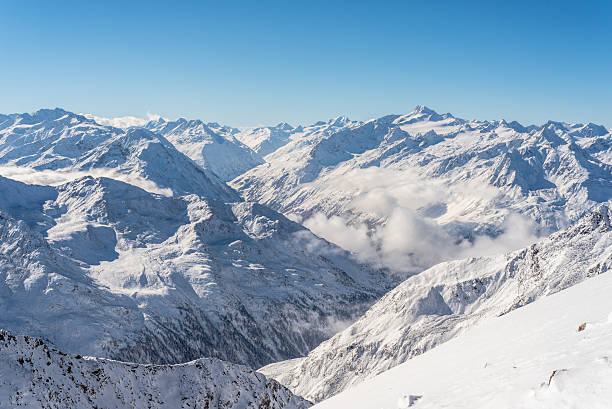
(444,180)
(212,146)
(104,268)
(532,357)
(35,375)
(57,140)
(434,306)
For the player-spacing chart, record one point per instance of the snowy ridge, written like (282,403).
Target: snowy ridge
(36,375)
(438,304)
(103,268)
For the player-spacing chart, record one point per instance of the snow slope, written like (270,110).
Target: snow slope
(447,182)
(212,146)
(532,357)
(36,375)
(436,305)
(104,268)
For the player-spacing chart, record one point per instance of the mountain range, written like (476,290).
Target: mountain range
(327,253)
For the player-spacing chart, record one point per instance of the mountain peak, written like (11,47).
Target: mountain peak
(422,109)
(339,120)
(284,126)
(45,114)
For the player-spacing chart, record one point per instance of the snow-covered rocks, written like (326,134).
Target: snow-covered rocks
(33,374)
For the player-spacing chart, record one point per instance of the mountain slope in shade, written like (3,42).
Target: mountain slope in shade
(446,179)
(552,354)
(36,375)
(103,268)
(57,140)
(438,304)
(212,146)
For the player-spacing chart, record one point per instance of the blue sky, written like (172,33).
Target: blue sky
(259,63)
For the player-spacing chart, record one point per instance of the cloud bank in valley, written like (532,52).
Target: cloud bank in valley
(59,177)
(408,223)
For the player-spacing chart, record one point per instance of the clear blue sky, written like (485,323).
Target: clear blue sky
(253,63)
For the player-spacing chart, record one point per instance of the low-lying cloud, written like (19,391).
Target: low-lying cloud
(123,121)
(59,177)
(407,223)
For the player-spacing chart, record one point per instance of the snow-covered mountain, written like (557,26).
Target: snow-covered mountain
(551,354)
(104,268)
(438,304)
(210,145)
(57,140)
(392,188)
(36,375)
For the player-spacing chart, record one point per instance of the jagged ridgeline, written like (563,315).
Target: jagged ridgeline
(36,375)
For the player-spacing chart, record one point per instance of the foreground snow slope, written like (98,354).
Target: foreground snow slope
(438,304)
(35,375)
(104,268)
(532,357)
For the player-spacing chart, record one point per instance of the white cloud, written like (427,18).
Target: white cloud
(59,177)
(336,230)
(417,214)
(123,121)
